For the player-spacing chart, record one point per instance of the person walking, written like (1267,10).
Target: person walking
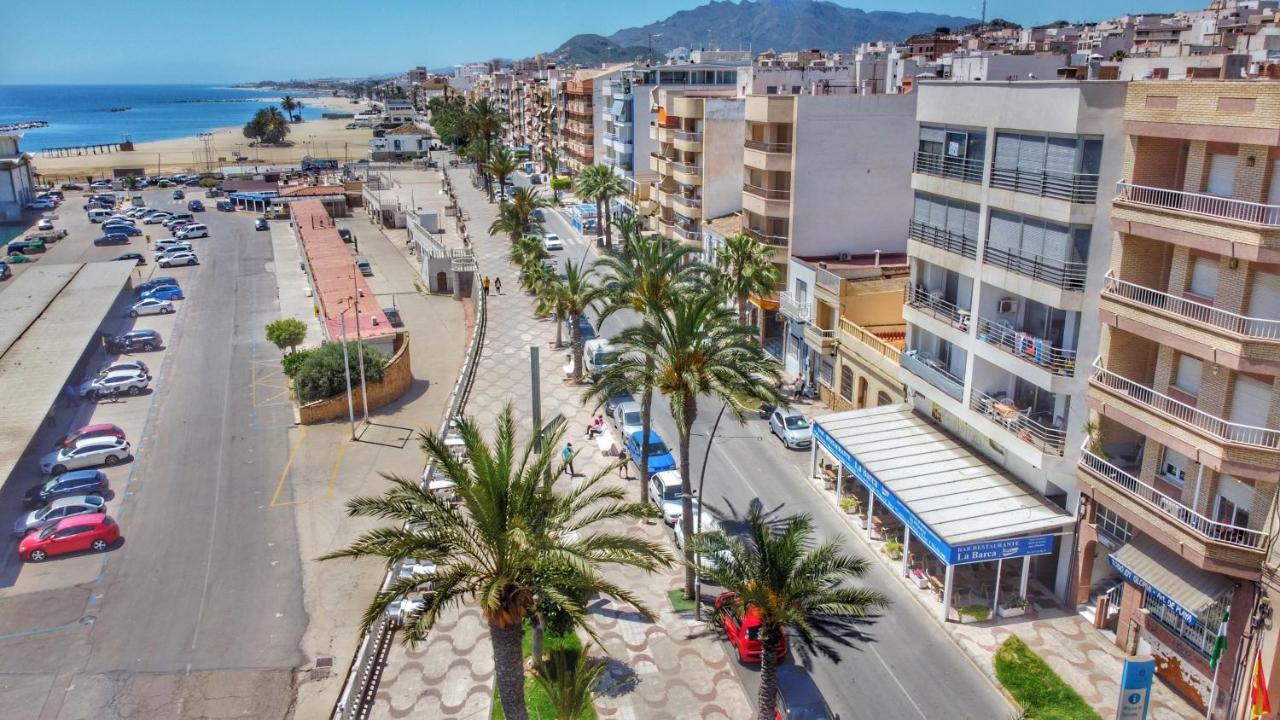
(622,458)
(497,285)
(486,285)
(567,456)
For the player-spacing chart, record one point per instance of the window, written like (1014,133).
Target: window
(795,89)
(1222,175)
(1273,195)
(1173,467)
(1187,376)
(1200,636)
(1065,167)
(771,90)
(1250,402)
(1264,299)
(1043,250)
(956,217)
(1112,524)
(951,152)
(1234,500)
(802,291)
(1204,276)
(846,383)
(882,399)
(826,369)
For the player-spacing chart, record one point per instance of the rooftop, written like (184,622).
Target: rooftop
(312,191)
(333,273)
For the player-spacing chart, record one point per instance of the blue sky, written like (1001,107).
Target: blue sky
(171,41)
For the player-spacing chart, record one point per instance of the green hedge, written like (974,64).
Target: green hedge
(320,374)
(1035,685)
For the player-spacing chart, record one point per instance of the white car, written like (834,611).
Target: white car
(156,218)
(792,428)
(119,219)
(56,510)
(137,212)
(41,204)
(192,231)
(128,382)
(178,259)
(709,524)
(627,418)
(664,491)
(125,366)
(150,306)
(44,224)
(551,241)
(168,245)
(87,453)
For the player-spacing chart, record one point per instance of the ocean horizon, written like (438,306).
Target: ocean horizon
(94,114)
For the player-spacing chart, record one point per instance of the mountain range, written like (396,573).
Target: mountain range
(755,25)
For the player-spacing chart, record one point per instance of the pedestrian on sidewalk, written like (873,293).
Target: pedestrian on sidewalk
(70,395)
(622,469)
(567,456)
(485,283)
(497,285)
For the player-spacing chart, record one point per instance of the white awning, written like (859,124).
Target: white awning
(1185,588)
(960,496)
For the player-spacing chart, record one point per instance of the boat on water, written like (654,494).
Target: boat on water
(28,125)
(119,109)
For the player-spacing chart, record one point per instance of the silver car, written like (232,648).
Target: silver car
(178,258)
(627,418)
(131,382)
(56,510)
(150,306)
(792,428)
(87,453)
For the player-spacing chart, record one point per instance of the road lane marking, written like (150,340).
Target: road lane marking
(337,463)
(284,473)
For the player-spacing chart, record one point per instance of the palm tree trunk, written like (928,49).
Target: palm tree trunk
(608,225)
(599,217)
(539,631)
(742,311)
(559,331)
(768,698)
(646,423)
(690,412)
(576,318)
(508,669)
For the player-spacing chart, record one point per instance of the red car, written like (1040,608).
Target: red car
(78,533)
(743,629)
(90,431)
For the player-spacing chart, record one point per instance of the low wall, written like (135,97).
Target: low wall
(395,383)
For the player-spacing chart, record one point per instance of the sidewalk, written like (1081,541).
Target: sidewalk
(671,667)
(291,282)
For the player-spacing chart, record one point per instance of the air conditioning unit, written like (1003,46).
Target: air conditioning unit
(1007,306)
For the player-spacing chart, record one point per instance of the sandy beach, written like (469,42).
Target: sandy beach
(318,138)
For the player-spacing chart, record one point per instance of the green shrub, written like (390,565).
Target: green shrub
(321,373)
(977,612)
(1035,685)
(561,183)
(293,362)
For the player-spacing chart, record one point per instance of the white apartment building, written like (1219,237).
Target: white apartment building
(17,181)
(1009,243)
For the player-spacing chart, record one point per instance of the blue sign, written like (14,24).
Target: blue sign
(1135,688)
(976,552)
(1187,616)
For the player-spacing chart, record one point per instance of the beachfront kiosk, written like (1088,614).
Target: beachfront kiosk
(955,514)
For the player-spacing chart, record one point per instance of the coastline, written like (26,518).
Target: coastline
(319,138)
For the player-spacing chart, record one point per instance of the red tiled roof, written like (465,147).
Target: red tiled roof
(312,191)
(334,275)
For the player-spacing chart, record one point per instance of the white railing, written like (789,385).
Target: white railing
(827,279)
(687,135)
(1201,525)
(687,201)
(933,303)
(1200,204)
(1226,431)
(689,234)
(1251,327)
(823,334)
(871,340)
(686,168)
(792,308)
(1004,413)
(1028,347)
(933,374)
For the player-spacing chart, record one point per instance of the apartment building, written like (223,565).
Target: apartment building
(698,162)
(1008,242)
(1180,469)
(823,177)
(578,129)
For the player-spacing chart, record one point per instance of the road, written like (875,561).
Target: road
(900,664)
(199,613)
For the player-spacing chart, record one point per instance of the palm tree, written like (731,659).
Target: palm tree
(647,277)
(501,164)
(695,349)
(552,159)
(288,104)
(611,186)
(515,542)
(528,202)
(527,252)
(485,121)
(629,227)
(581,291)
(745,267)
(794,585)
(553,300)
(570,683)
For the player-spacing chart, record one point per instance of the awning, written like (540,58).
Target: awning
(961,506)
(1181,586)
(763,303)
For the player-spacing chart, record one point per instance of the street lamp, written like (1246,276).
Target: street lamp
(697,527)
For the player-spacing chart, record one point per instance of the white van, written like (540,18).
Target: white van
(97,215)
(194,230)
(598,354)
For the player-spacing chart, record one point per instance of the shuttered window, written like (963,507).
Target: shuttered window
(1250,401)
(846,382)
(1222,175)
(1061,156)
(1005,231)
(1204,276)
(1264,299)
(1187,377)
(1007,145)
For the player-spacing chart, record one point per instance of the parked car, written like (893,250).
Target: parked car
(260,224)
(665,492)
(6,272)
(112,239)
(76,482)
(791,427)
(365,268)
(178,195)
(799,697)
(164,292)
(56,510)
(584,322)
(126,365)
(178,259)
(90,431)
(743,628)
(44,224)
(194,230)
(659,455)
(150,306)
(393,316)
(613,401)
(120,228)
(96,532)
(195,206)
(226,206)
(707,524)
(627,417)
(137,258)
(134,340)
(154,282)
(72,186)
(156,218)
(86,454)
(551,241)
(598,354)
(26,247)
(346,235)
(179,217)
(42,204)
(167,244)
(116,383)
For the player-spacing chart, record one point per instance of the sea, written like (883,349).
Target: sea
(83,114)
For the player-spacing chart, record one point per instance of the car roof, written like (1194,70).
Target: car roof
(105,441)
(797,686)
(669,478)
(636,435)
(96,427)
(71,475)
(141,332)
(72,500)
(629,406)
(87,519)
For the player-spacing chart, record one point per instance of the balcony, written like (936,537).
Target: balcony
(1028,348)
(1051,271)
(659,164)
(1226,226)
(822,338)
(1072,187)
(1166,409)
(943,239)
(934,373)
(936,306)
(768,147)
(964,169)
(663,197)
(1034,429)
(686,173)
(690,207)
(687,141)
(791,307)
(766,201)
(767,239)
(883,348)
(688,234)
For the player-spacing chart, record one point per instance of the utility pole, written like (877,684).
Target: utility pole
(346,370)
(364,394)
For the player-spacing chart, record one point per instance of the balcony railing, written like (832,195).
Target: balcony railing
(766,193)
(687,201)
(933,373)
(1200,204)
(966,169)
(1072,187)
(827,280)
(1028,347)
(1062,273)
(933,303)
(791,307)
(943,239)
(871,340)
(686,168)
(1031,428)
(1156,500)
(774,240)
(689,234)
(1250,327)
(688,135)
(1229,432)
(824,335)
(768,147)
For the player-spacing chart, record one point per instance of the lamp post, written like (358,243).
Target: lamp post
(697,526)
(346,369)
(364,394)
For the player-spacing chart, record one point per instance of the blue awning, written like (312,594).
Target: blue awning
(1176,583)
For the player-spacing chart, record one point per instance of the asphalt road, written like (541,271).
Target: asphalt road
(199,613)
(897,665)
